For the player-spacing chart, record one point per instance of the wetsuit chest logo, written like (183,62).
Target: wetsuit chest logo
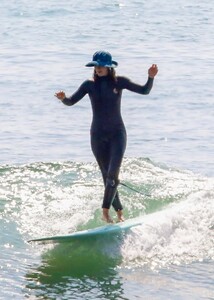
(115,91)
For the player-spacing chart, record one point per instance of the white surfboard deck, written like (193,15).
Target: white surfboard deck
(95,232)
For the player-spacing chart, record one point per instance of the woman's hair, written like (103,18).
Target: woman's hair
(111,74)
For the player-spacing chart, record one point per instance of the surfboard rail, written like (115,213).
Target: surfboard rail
(94,232)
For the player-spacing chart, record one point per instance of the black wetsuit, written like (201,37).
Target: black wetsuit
(108,133)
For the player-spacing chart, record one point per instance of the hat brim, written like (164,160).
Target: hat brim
(100,64)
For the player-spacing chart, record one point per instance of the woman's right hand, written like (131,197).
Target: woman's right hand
(60,95)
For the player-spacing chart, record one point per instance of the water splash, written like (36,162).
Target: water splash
(61,197)
(180,234)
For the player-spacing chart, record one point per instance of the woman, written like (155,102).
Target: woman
(108,133)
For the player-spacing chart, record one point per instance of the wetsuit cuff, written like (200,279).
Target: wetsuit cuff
(67,101)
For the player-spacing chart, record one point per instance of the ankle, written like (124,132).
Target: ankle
(106,217)
(120,216)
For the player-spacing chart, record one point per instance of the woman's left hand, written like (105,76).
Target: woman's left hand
(153,70)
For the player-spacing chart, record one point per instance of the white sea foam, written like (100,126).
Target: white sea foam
(179,234)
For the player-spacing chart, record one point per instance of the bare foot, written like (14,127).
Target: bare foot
(106,217)
(120,217)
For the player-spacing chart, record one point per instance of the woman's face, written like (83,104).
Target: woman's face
(101,71)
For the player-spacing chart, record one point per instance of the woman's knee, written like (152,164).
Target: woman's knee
(112,182)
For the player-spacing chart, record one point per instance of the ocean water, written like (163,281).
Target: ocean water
(49,181)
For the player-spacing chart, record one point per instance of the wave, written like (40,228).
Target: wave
(176,207)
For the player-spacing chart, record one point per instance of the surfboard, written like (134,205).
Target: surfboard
(89,233)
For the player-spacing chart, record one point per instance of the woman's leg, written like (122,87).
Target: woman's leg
(109,153)
(116,202)
(100,149)
(116,151)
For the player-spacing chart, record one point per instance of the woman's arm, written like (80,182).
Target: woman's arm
(141,89)
(78,95)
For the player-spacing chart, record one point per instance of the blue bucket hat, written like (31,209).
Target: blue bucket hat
(102,59)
